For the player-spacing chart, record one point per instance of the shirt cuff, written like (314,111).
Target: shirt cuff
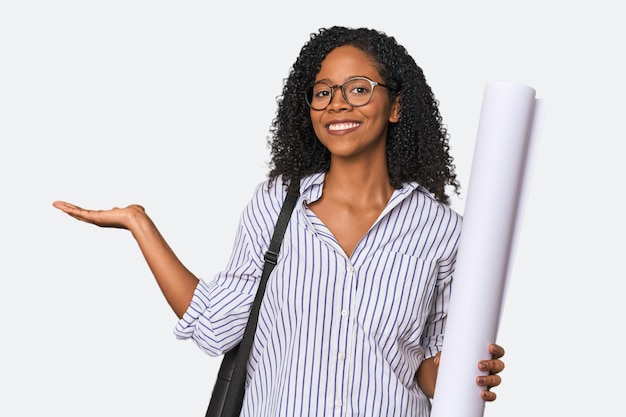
(186,326)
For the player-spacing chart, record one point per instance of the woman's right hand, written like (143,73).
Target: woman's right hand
(122,218)
(176,282)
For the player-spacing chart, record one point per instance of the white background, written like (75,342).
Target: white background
(168,104)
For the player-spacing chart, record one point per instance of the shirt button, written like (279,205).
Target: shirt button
(341,356)
(351,268)
(338,403)
(344,312)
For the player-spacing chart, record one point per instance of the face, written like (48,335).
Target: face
(348,131)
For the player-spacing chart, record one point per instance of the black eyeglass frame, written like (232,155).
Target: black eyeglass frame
(309,92)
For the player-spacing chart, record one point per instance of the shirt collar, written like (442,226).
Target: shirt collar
(311,188)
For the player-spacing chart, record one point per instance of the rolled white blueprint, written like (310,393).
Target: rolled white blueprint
(485,249)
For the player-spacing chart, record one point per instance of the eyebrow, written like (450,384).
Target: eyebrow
(349,77)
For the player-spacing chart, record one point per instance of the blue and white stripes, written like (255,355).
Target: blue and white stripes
(337,336)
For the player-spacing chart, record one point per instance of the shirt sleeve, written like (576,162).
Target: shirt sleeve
(432,338)
(219,309)
(217,315)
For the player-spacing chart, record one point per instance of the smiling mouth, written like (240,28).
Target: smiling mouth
(343,126)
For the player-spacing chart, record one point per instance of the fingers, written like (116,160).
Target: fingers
(488,395)
(63,206)
(114,217)
(73,210)
(488,381)
(493,367)
(496,351)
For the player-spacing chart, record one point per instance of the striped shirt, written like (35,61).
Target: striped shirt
(337,335)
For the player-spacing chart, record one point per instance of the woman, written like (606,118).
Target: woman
(353,315)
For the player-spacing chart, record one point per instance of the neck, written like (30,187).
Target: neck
(362,182)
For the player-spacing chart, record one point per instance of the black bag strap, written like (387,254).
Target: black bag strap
(234,396)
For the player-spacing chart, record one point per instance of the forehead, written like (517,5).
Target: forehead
(347,61)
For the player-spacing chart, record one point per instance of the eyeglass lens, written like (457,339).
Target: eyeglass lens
(356,91)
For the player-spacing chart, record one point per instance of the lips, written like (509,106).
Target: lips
(343,126)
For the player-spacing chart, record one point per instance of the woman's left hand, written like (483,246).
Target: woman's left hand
(492,366)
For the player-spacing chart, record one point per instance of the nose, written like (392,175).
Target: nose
(337,100)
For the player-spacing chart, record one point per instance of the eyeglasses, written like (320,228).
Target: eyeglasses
(356,91)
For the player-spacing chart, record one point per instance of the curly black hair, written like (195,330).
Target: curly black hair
(417,145)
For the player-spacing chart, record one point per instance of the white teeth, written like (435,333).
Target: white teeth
(342,126)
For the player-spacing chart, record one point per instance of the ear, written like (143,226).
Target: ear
(394,115)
